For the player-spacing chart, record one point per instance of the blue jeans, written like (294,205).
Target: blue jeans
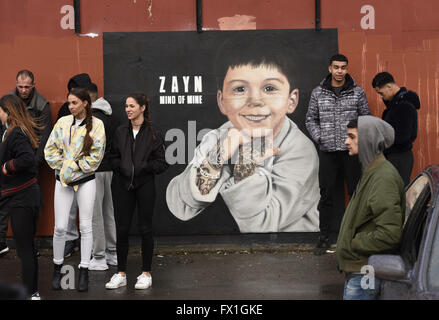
(354,291)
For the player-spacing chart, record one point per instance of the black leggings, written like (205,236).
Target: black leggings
(124,203)
(23,223)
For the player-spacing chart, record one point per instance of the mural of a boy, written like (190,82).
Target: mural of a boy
(262,165)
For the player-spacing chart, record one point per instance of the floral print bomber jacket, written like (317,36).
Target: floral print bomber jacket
(63,150)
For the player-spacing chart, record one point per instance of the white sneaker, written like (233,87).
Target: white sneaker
(98,265)
(116,281)
(143,282)
(3,248)
(35,296)
(111,258)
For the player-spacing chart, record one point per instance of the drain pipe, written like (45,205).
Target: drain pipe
(199,16)
(77,8)
(318,7)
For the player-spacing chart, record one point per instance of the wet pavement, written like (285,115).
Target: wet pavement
(248,271)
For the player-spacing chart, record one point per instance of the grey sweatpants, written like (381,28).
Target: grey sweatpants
(104,227)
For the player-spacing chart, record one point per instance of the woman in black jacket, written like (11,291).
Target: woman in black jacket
(137,155)
(19,190)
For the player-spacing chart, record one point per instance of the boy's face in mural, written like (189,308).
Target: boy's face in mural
(256,98)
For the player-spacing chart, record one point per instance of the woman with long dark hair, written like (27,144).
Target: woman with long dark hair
(137,155)
(75,149)
(20,192)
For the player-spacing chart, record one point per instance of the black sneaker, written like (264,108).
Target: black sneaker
(70,248)
(322,246)
(3,249)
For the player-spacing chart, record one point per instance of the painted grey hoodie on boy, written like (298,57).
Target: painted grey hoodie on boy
(282,195)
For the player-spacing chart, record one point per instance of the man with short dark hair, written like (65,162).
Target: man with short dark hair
(373,221)
(333,103)
(401,113)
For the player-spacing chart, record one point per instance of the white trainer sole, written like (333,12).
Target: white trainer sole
(111,287)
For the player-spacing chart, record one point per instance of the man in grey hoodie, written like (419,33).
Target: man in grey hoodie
(104,228)
(373,221)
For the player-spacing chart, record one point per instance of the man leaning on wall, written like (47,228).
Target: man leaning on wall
(373,221)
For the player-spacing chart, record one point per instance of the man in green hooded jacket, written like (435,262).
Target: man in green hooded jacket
(374,218)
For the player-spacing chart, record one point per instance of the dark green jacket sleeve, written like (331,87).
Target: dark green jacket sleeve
(386,218)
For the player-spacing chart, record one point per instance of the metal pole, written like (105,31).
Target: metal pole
(318,25)
(77,8)
(199,16)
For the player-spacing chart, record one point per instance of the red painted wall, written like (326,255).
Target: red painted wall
(404,41)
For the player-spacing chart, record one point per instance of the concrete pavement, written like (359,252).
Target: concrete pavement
(197,268)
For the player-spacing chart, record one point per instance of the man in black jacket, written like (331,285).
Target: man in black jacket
(401,113)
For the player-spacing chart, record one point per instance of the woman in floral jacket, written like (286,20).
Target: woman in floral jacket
(75,149)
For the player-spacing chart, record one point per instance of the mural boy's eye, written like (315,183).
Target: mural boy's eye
(270,88)
(239,89)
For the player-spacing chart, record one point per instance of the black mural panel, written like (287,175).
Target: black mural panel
(177,71)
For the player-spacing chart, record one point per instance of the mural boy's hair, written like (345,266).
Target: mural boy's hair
(255,49)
